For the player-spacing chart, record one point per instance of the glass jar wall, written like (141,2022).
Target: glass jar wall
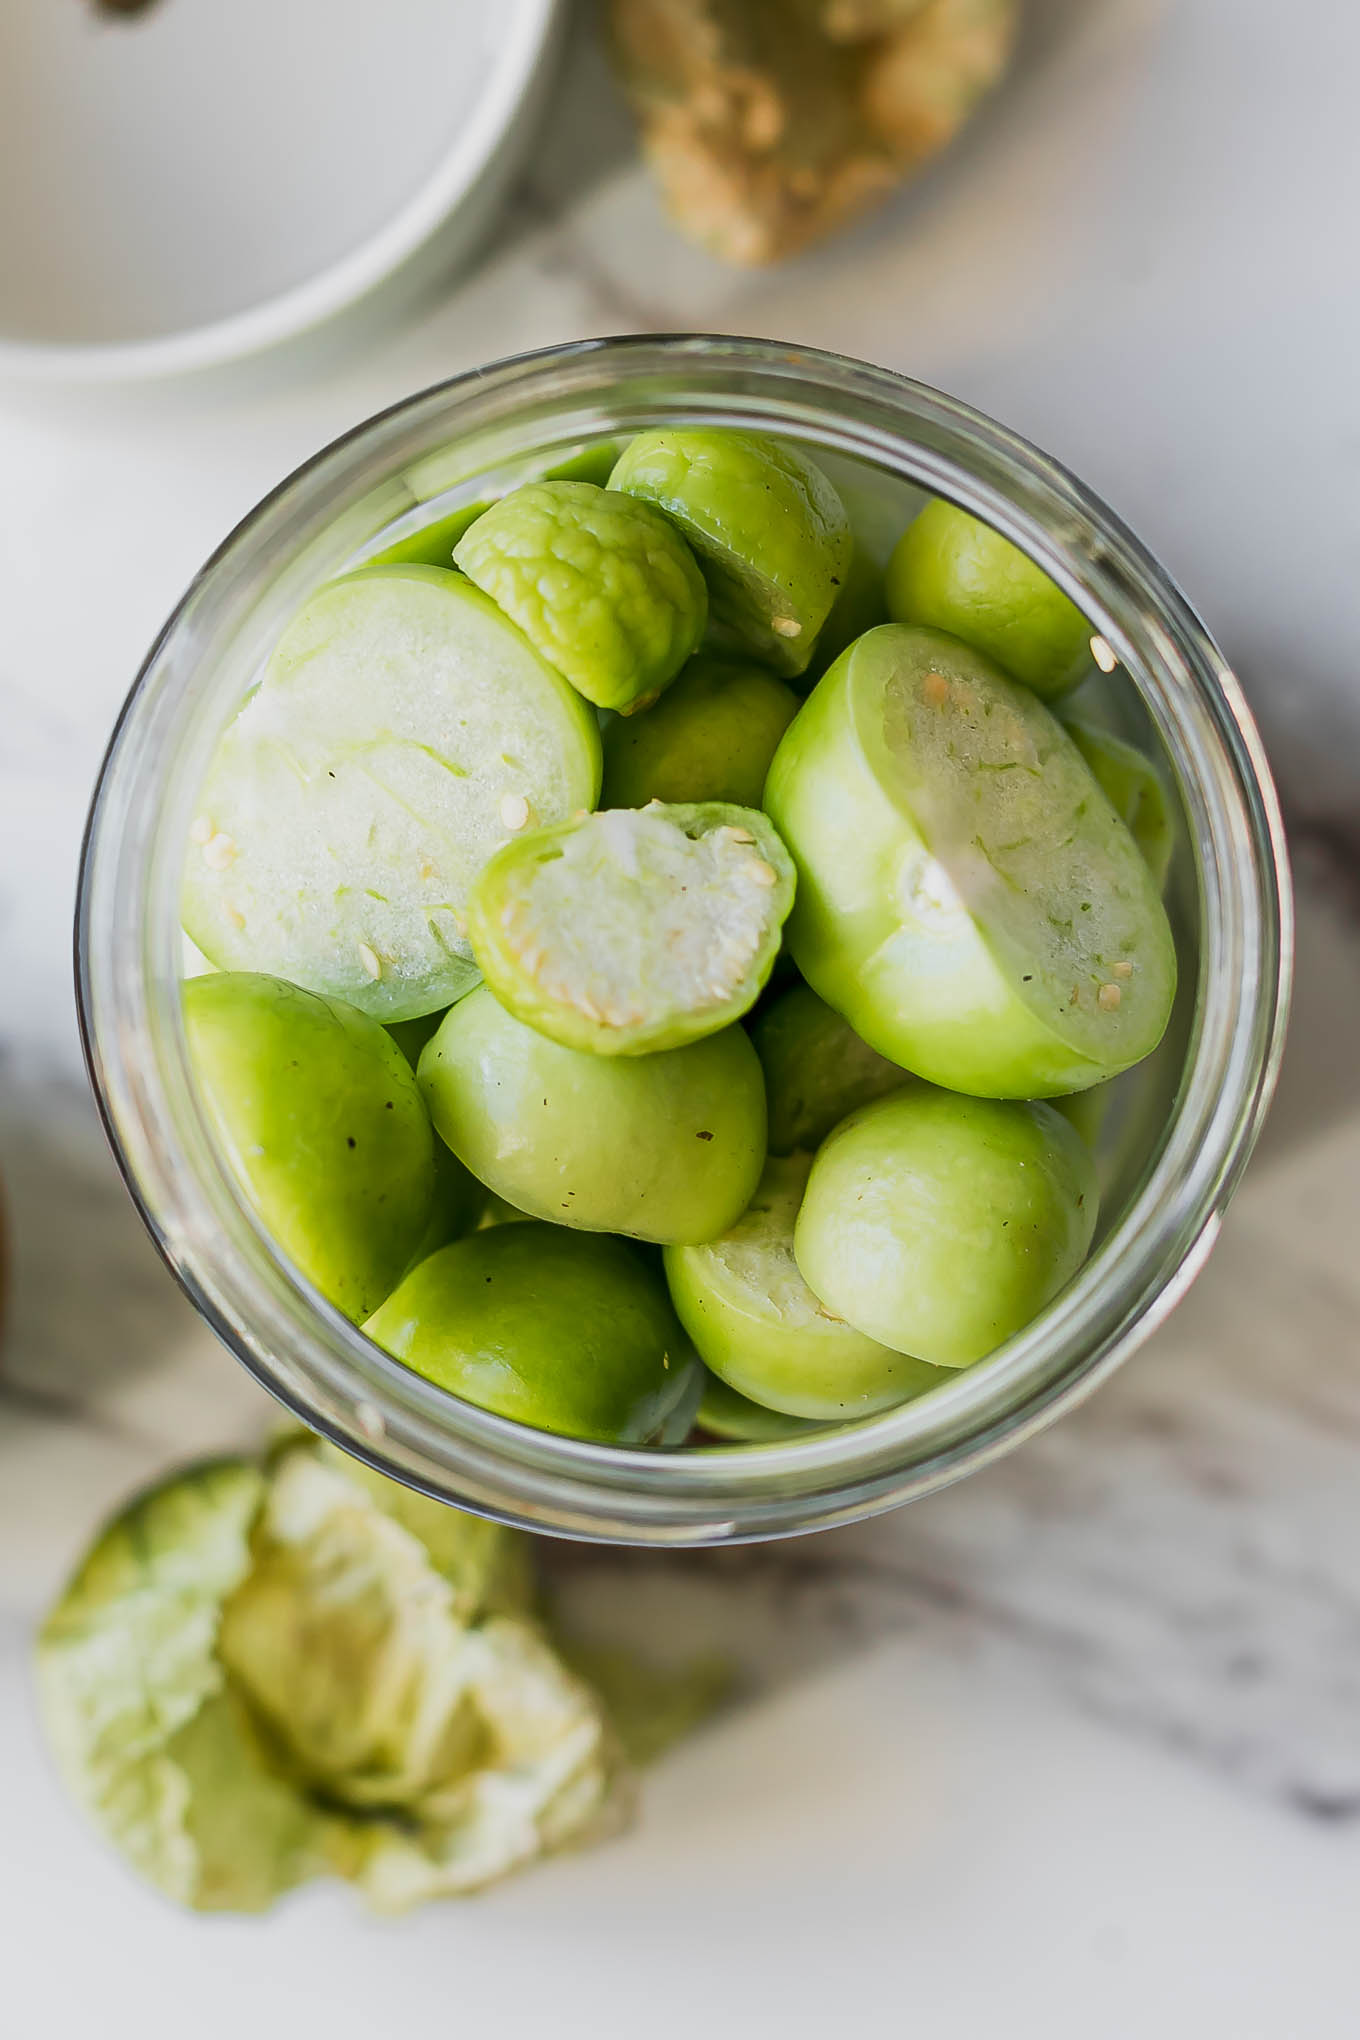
(1172,1150)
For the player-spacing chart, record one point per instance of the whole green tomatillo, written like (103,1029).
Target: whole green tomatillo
(861,603)
(602,585)
(567,1331)
(321,1119)
(659,1147)
(710,737)
(816,1069)
(941,1225)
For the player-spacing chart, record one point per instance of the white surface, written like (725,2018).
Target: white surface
(1072,1751)
(193,182)
(820,1869)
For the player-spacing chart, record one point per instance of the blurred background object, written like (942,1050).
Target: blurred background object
(191,181)
(772,122)
(185,182)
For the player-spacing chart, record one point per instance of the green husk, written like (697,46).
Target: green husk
(267,1670)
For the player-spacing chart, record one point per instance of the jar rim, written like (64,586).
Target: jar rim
(318,1363)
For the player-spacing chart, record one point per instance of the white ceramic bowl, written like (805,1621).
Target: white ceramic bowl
(206,178)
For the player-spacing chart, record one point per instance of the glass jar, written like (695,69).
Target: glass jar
(1170,1159)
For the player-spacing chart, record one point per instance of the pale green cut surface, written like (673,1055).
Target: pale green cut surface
(404,729)
(634,929)
(1135,789)
(1020,835)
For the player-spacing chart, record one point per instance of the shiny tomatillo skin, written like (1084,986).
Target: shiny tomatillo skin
(952,572)
(967,896)
(566,1331)
(763,1331)
(941,1225)
(658,1147)
(321,1119)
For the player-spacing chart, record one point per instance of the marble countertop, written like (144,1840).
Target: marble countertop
(1076,1743)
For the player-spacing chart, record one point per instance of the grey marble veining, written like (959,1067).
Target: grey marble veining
(1181,1555)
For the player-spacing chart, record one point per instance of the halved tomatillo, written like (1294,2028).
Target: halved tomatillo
(967,896)
(635,929)
(403,728)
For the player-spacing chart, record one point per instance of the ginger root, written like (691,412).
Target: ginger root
(771,122)
(854,20)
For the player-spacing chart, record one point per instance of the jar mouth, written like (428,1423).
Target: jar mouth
(127,943)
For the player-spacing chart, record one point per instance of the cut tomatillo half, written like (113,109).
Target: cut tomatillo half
(404,728)
(636,929)
(601,584)
(967,896)
(569,1333)
(770,531)
(760,1328)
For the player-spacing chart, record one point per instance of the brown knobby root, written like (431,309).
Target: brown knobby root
(857,20)
(772,122)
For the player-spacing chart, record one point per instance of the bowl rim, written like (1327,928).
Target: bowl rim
(342,284)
